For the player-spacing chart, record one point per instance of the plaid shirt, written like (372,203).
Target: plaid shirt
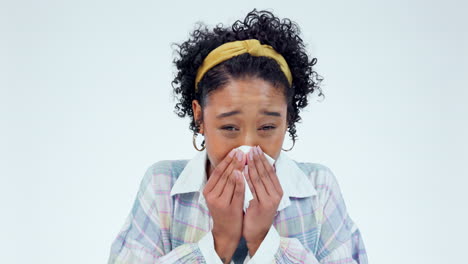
(170,221)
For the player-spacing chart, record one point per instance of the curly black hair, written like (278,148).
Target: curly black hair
(282,35)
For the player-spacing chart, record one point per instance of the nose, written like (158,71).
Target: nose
(250,140)
(251,144)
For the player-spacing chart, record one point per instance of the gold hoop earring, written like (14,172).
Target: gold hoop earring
(294,143)
(195,145)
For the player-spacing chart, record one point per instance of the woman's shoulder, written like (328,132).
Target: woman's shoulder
(314,169)
(320,175)
(168,167)
(162,173)
(311,167)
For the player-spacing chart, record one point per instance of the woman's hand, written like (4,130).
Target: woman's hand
(267,193)
(224,194)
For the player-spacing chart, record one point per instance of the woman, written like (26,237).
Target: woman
(241,86)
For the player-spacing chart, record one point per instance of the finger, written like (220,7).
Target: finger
(255,178)
(275,180)
(263,173)
(267,170)
(240,165)
(250,185)
(218,189)
(238,197)
(218,171)
(227,192)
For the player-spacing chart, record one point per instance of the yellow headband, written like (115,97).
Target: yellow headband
(234,48)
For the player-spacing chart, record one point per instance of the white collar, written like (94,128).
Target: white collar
(293,180)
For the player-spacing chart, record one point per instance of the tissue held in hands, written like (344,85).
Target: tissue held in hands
(248,194)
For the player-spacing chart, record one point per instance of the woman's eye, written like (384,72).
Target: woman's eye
(229,128)
(268,127)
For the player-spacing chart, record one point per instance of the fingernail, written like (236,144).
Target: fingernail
(251,154)
(259,150)
(231,154)
(239,155)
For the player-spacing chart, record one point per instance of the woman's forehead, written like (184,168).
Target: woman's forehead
(247,92)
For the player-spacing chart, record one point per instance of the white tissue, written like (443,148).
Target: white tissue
(248,194)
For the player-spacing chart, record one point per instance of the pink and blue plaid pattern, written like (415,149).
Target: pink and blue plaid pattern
(165,229)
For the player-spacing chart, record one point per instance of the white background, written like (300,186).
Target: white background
(86,107)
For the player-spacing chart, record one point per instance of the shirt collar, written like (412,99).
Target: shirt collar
(293,180)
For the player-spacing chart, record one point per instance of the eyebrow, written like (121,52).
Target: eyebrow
(235,112)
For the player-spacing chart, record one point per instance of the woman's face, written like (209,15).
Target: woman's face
(247,111)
